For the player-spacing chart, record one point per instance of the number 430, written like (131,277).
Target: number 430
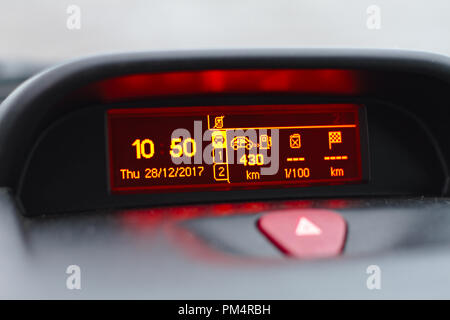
(252,159)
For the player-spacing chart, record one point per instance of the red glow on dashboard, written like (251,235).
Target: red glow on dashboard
(298,81)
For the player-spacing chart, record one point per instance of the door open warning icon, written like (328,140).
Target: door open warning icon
(307,228)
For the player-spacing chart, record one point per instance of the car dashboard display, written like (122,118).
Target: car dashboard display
(227,147)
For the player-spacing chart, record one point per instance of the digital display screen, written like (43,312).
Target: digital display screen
(234,147)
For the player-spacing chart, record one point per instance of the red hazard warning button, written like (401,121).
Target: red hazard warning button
(309,233)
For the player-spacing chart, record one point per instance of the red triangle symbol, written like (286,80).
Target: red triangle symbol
(307,228)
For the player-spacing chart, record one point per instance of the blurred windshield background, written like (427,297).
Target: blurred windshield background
(35,32)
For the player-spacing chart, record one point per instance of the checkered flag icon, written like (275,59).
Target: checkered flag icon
(335,137)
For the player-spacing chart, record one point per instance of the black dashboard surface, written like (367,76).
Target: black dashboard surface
(406,237)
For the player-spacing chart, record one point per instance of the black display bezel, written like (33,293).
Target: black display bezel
(78,195)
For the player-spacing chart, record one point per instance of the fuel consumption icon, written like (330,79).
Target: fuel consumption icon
(295,141)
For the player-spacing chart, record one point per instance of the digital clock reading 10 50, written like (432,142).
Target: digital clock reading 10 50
(229,147)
